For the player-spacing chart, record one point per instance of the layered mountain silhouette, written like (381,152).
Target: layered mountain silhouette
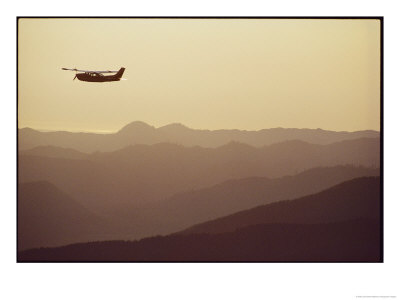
(49,217)
(146,173)
(223,195)
(338,224)
(354,199)
(185,209)
(130,221)
(56,152)
(142,133)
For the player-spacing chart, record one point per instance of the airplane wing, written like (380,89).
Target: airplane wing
(88,71)
(108,71)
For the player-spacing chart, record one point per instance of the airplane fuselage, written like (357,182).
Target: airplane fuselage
(97,76)
(94,77)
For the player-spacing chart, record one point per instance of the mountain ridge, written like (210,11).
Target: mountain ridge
(143,124)
(352,199)
(138,132)
(349,241)
(172,169)
(347,229)
(237,195)
(49,216)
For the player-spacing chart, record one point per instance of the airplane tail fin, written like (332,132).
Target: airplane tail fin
(120,73)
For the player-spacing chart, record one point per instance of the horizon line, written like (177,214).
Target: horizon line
(104,131)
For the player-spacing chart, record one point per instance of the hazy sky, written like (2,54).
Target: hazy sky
(207,74)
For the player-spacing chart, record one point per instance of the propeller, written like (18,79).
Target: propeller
(74,77)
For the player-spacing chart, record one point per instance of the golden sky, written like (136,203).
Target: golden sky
(204,73)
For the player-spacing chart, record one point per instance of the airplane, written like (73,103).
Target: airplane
(97,76)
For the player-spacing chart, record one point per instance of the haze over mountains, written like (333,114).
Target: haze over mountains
(48,216)
(146,173)
(184,209)
(350,200)
(126,220)
(141,133)
(144,181)
(339,224)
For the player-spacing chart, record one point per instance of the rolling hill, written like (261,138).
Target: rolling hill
(185,209)
(132,221)
(353,199)
(338,224)
(351,241)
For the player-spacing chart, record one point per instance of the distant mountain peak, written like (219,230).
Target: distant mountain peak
(136,126)
(174,126)
(27,129)
(139,132)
